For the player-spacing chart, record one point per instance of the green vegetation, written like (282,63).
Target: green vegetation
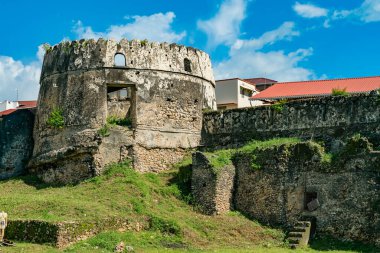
(47,48)
(339,92)
(144,42)
(162,199)
(158,198)
(278,106)
(206,110)
(114,121)
(221,158)
(104,131)
(56,119)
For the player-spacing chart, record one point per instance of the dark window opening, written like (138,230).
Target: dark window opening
(120,60)
(311,201)
(187,64)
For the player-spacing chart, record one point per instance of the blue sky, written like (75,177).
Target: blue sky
(285,39)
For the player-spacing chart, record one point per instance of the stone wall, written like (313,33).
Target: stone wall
(327,118)
(16,142)
(166,103)
(212,188)
(344,192)
(62,234)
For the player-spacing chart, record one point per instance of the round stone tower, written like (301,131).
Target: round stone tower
(89,88)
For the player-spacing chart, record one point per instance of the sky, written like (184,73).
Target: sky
(285,40)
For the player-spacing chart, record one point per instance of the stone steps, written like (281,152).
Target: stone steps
(300,234)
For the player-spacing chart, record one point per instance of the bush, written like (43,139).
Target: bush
(56,119)
(114,120)
(279,105)
(339,92)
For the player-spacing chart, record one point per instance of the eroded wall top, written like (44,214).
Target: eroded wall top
(91,54)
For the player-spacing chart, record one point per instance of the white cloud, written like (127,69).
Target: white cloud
(369,11)
(224,27)
(156,27)
(15,75)
(309,10)
(285,32)
(246,59)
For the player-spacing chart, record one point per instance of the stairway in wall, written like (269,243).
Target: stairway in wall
(300,234)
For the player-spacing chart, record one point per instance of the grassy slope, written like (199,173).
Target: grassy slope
(124,193)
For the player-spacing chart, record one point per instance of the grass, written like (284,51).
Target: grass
(224,157)
(122,192)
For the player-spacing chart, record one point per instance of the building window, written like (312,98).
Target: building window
(245,92)
(119,60)
(187,64)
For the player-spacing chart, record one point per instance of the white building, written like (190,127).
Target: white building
(235,93)
(6,105)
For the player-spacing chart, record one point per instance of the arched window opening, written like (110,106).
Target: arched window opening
(187,64)
(120,60)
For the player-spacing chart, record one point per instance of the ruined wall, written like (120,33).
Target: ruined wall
(325,118)
(212,188)
(346,203)
(165,106)
(16,142)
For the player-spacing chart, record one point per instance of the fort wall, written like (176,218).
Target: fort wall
(168,87)
(293,182)
(328,119)
(16,142)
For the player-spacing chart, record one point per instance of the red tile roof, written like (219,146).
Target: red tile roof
(21,105)
(27,104)
(318,88)
(7,112)
(259,80)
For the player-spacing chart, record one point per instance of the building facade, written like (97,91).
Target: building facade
(235,93)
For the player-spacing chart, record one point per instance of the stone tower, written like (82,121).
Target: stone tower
(161,89)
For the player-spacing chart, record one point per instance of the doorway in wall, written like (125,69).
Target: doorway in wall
(121,104)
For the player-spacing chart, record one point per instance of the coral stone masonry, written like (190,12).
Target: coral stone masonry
(160,89)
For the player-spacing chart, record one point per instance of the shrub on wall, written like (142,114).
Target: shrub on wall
(56,119)
(339,92)
(279,105)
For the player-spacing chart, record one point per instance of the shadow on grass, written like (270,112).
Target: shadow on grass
(330,243)
(182,179)
(34,181)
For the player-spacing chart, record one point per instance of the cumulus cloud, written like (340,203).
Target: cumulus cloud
(246,60)
(224,27)
(156,27)
(276,65)
(16,75)
(309,10)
